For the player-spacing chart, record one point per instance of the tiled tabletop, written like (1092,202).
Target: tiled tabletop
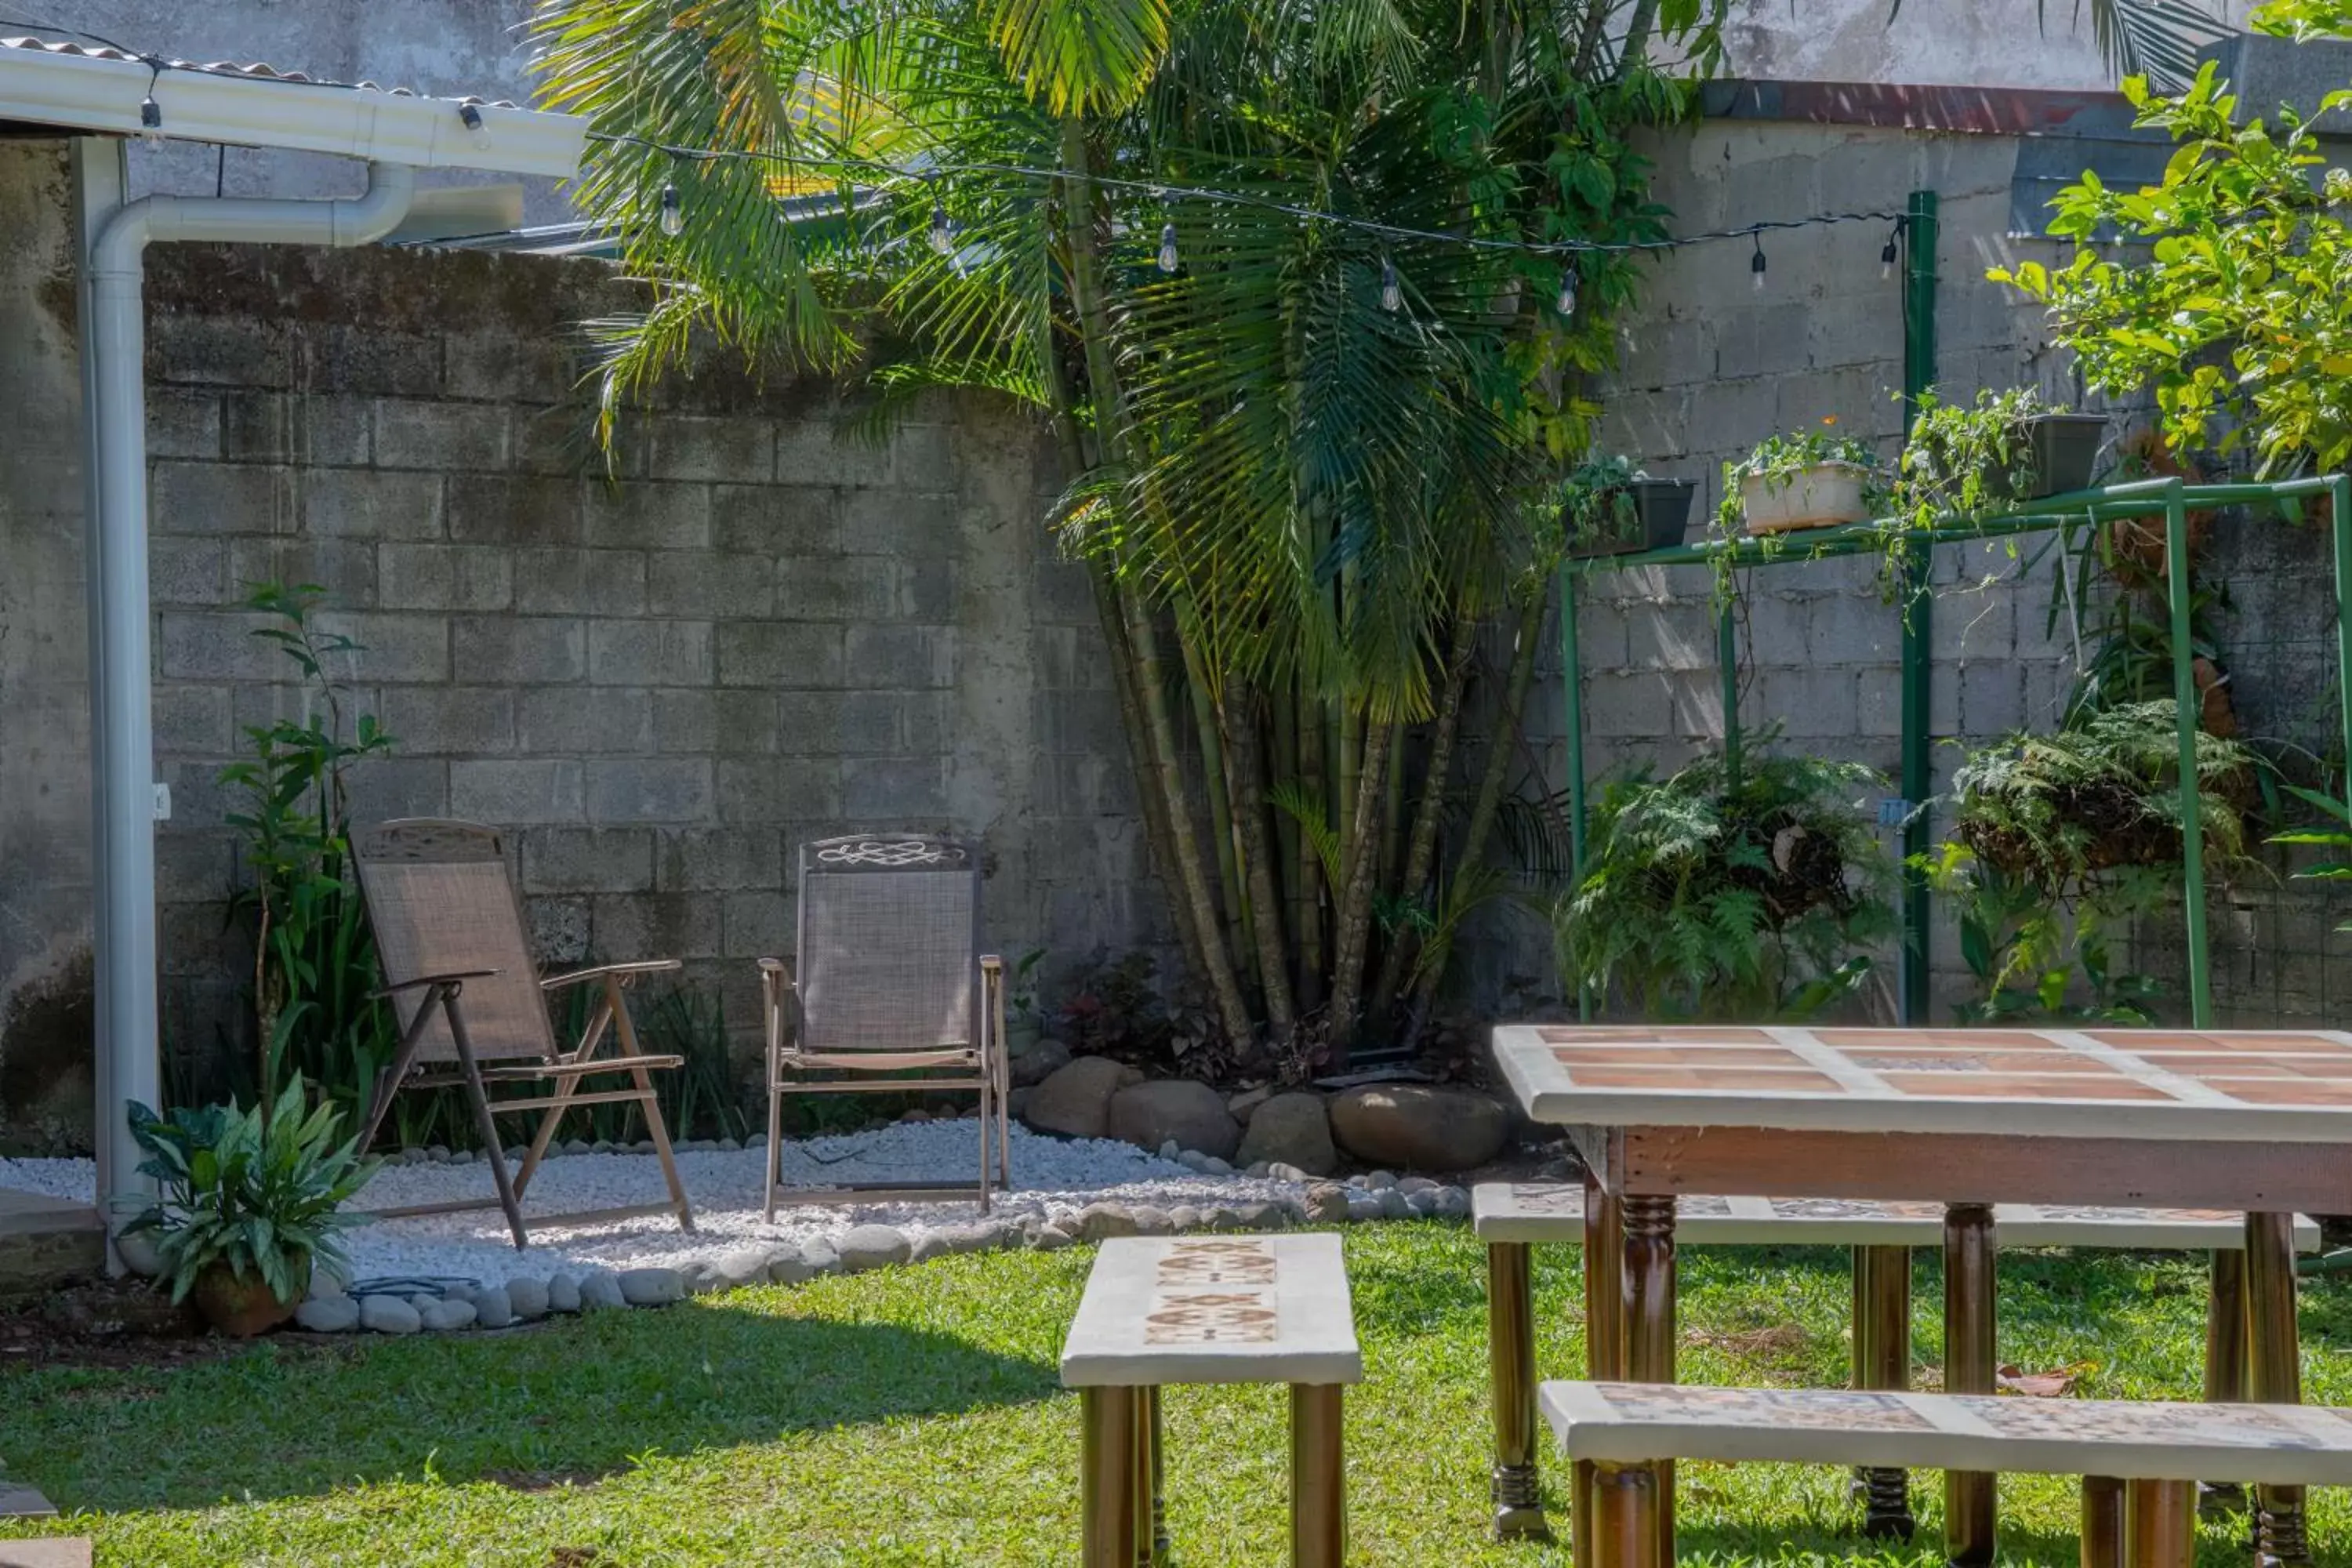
(2211,1084)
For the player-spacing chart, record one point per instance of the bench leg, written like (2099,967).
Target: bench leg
(2103,1522)
(2159,1524)
(1106,1497)
(1626,1511)
(1604,1338)
(2273,1371)
(1151,1545)
(2225,1362)
(1650,1339)
(1969,1367)
(1882,1362)
(1319,1493)
(1511,1366)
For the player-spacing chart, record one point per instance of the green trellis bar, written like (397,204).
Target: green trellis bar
(2172,499)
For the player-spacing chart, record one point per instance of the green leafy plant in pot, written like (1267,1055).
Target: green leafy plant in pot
(249,1205)
(1816,479)
(1750,894)
(1608,507)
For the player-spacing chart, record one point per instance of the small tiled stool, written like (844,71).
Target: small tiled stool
(1261,1309)
(1510,1218)
(2138,1460)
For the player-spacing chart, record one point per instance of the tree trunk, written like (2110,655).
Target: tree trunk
(1241,712)
(1421,848)
(1308,894)
(1355,917)
(1213,780)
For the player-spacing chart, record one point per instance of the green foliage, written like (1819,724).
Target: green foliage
(1779,459)
(2333,833)
(2131,662)
(2240,313)
(1596,501)
(1747,897)
(2060,841)
(314,956)
(260,1193)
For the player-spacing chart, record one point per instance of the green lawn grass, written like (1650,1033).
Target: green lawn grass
(913,1417)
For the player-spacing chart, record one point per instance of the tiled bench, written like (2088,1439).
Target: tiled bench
(1511,1218)
(2139,1461)
(1266,1309)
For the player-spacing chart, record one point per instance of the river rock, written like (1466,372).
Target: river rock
(819,1255)
(1100,1222)
(1179,1111)
(1290,1130)
(1453,1203)
(388,1315)
(447,1315)
(527,1297)
(1420,1127)
(1326,1203)
(563,1293)
(1362,1207)
(329,1314)
(652,1287)
(601,1292)
(1151,1220)
(873,1246)
(1244,1106)
(1038,1063)
(493,1308)
(1074,1100)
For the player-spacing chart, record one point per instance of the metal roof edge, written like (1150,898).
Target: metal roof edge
(81,93)
(1965,111)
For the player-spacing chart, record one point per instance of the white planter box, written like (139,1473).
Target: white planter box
(1817,497)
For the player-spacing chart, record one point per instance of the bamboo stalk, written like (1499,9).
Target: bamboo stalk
(1311,866)
(1241,719)
(1355,916)
(1213,766)
(1421,848)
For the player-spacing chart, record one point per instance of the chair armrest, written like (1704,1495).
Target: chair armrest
(992,963)
(642,966)
(783,966)
(453,978)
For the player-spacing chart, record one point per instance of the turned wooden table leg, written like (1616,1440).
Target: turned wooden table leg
(1318,1495)
(1969,1367)
(1648,1224)
(2103,1522)
(2159,1524)
(1107,1499)
(1151,1509)
(1604,1338)
(1511,1364)
(2225,1362)
(2273,1372)
(1882,1362)
(1625,1512)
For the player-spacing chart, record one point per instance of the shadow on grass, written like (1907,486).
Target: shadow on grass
(568,1401)
(1728,1542)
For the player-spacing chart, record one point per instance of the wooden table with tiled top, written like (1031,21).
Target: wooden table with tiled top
(2254,1122)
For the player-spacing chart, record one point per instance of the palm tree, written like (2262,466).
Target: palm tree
(1305,459)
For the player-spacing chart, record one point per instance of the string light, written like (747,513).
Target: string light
(942,231)
(1566,300)
(1168,247)
(673,211)
(1392,290)
(1756,265)
(470,115)
(150,113)
(1888,252)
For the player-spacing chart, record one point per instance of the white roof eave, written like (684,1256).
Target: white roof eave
(102,95)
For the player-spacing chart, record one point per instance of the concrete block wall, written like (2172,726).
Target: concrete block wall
(659,681)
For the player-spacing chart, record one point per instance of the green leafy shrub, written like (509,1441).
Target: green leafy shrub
(261,1194)
(1719,895)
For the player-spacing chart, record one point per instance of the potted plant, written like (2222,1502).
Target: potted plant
(248,1205)
(1714,893)
(2009,446)
(1608,507)
(1791,482)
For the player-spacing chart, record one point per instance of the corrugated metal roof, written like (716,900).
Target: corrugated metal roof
(258,71)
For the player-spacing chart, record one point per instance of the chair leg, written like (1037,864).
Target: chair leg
(1624,1516)
(483,1119)
(566,1085)
(655,1127)
(1511,1368)
(2159,1524)
(1970,1509)
(1151,1543)
(1882,1337)
(987,1114)
(2273,1373)
(773,1165)
(2103,1522)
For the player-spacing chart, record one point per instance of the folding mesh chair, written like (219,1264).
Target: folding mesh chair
(472,1010)
(890,981)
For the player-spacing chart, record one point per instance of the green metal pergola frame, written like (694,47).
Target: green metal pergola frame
(2173,499)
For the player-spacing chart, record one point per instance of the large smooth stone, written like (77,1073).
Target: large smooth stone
(1074,1100)
(1174,1111)
(1419,1127)
(1290,1130)
(873,1246)
(389,1315)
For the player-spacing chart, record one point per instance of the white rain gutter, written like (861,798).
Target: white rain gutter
(115,397)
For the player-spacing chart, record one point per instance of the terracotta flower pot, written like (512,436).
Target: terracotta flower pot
(244,1307)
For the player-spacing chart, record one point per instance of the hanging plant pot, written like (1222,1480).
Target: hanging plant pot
(2065,450)
(1656,519)
(2216,715)
(1819,495)
(2133,548)
(242,1308)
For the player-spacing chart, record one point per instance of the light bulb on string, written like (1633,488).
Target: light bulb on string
(942,231)
(1168,246)
(1756,265)
(673,211)
(1889,251)
(478,129)
(1566,300)
(1392,290)
(150,120)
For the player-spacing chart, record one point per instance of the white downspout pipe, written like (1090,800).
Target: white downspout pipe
(121,687)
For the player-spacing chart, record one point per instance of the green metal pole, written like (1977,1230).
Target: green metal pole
(2184,694)
(2340,491)
(1727,658)
(1919,228)
(1572,677)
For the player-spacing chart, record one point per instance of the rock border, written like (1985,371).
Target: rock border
(409,1306)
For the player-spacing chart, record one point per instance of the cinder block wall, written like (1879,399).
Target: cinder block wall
(660,682)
